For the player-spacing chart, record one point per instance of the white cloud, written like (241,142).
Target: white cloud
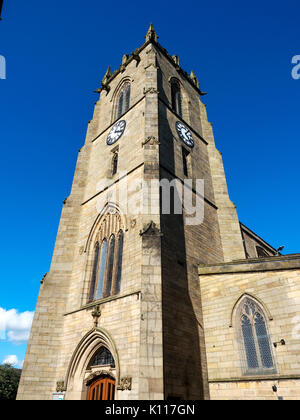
(15,326)
(13,361)
(18,336)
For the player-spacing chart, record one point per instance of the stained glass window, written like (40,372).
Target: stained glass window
(115,163)
(110,265)
(94,276)
(123,100)
(106,272)
(249,343)
(120,261)
(101,275)
(263,342)
(255,338)
(103,357)
(176,97)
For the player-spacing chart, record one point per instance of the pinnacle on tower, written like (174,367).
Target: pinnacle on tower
(125,58)
(194,79)
(151,34)
(176,60)
(106,76)
(104,83)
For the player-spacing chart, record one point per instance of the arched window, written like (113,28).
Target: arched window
(101,271)
(123,100)
(106,275)
(95,268)
(254,338)
(176,97)
(110,269)
(103,357)
(115,161)
(185,161)
(119,261)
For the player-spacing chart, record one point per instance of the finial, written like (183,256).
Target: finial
(194,79)
(125,58)
(176,60)
(104,83)
(124,61)
(106,76)
(151,34)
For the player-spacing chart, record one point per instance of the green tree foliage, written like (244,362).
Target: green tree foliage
(9,382)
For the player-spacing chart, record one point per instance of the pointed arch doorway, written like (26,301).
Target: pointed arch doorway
(103,389)
(94,358)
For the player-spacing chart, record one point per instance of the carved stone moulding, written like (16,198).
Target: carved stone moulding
(150,90)
(97,374)
(151,141)
(96,314)
(125,384)
(60,386)
(150,230)
(136,55)
(105,87)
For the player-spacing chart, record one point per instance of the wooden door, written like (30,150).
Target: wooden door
(102,389)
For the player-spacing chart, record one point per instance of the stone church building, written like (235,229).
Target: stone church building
(142,303)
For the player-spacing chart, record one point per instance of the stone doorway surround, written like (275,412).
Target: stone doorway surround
(80,374)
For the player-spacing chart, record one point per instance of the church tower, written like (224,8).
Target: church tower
(119,314)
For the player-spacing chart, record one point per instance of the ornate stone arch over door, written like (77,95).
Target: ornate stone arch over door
(80,373)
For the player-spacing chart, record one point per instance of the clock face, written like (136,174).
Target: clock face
(185,134)
(116,132)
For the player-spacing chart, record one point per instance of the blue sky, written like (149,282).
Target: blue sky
(56,54)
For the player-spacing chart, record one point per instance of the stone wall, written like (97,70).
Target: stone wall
(274,283)
(256,390)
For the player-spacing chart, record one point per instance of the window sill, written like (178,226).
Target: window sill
(260,372)
(273,377)
(105,300)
